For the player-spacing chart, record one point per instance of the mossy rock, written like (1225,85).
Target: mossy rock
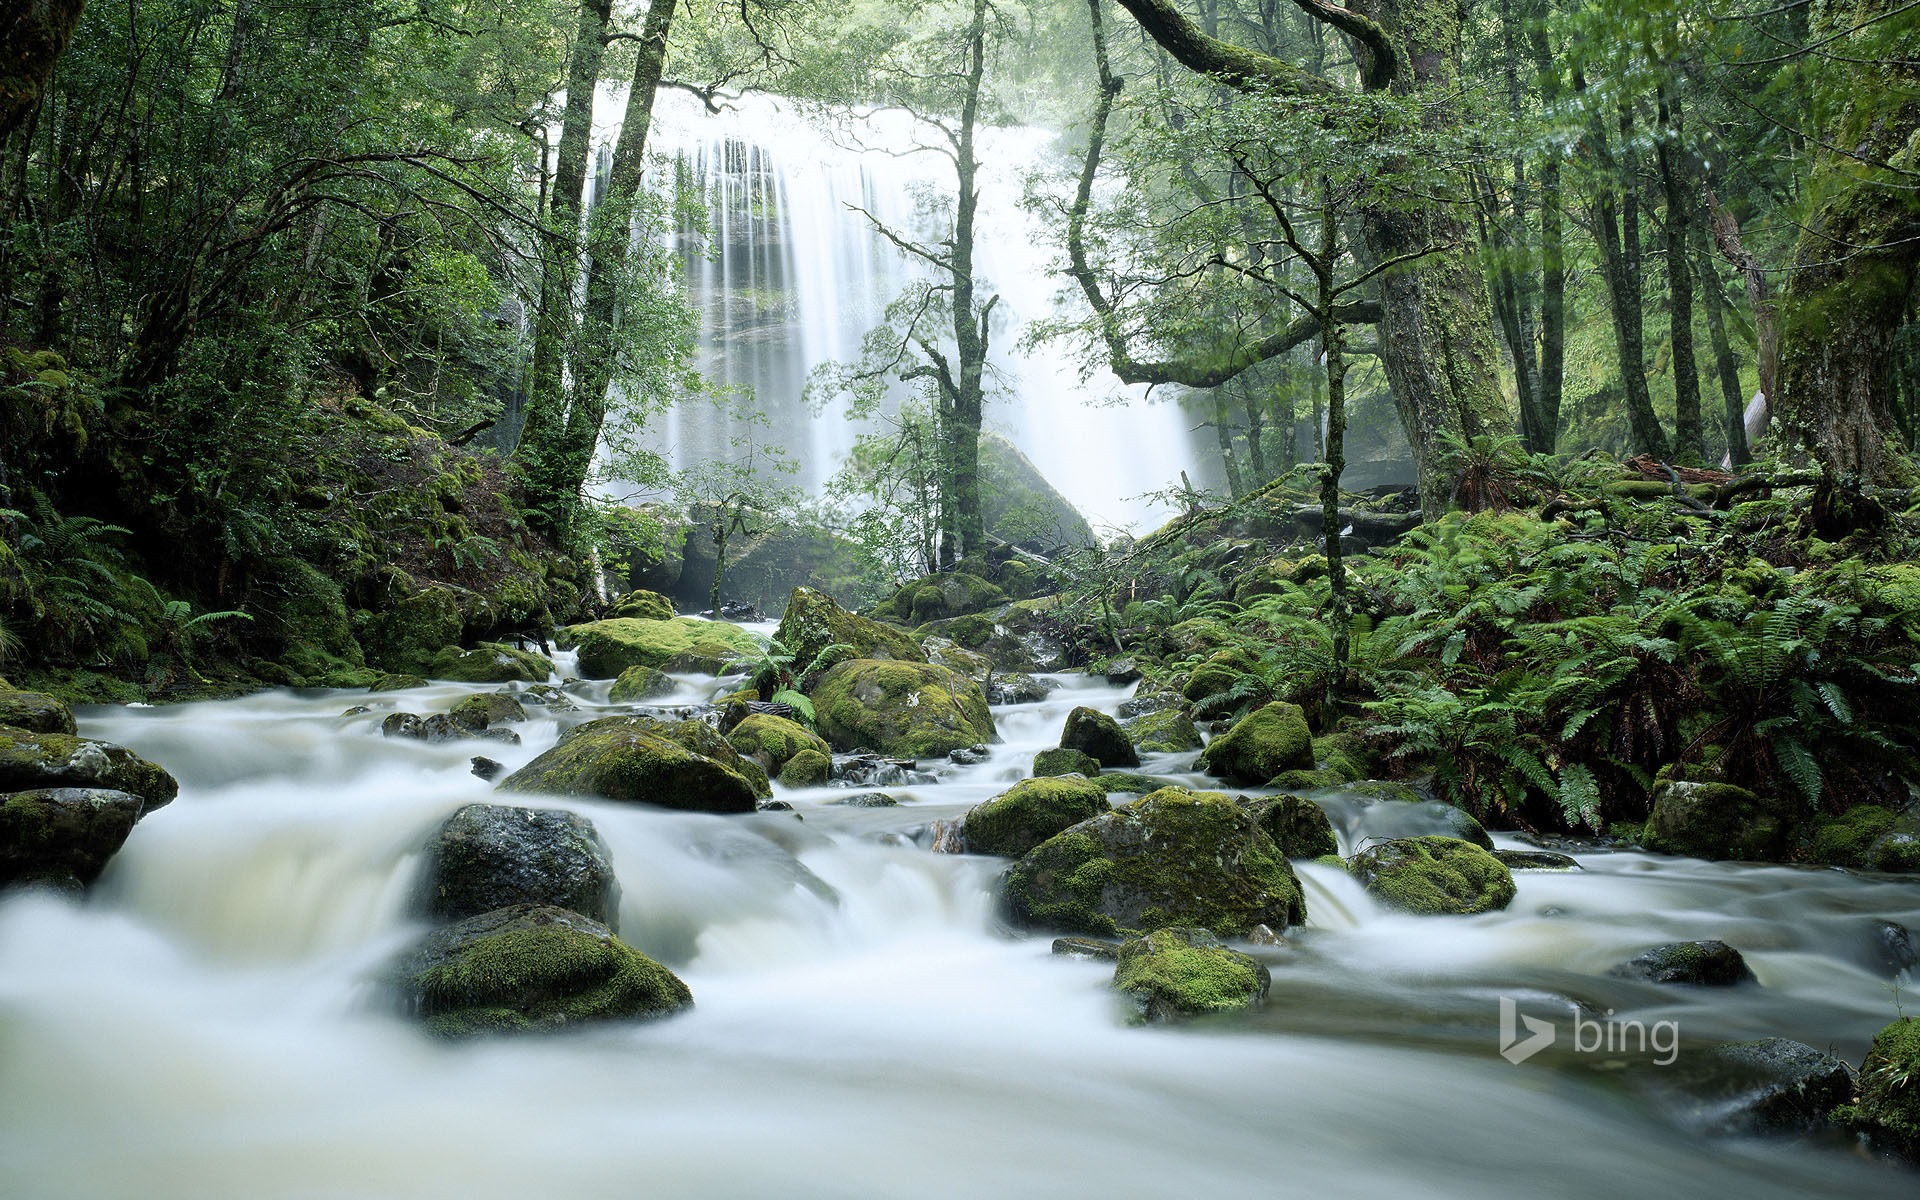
(814,620)
(1384,789)
(772,741)
(1710,963)
(1021,637)
(1267,741)
(309,611)
(1718,821)
(486,711)
(35,712)
(1306,781)
(618,759)
(1167,731)
(899,708)
(705,658)
(1203,635)
(489,662)
(405,638)
(609,647)
(397,683)
(1128,783)
(31,761)
(1298,826)
(807,768)
(1029,813)
(1098,735)
(1171,974)
(697,737)
(643,605)
(1217,674)
(1867,837)
(945,652)
(1059,760)
(1886,1107)
(1344,753)
(492,856)
(641,683)
(1173,857)
(531,968)
(1434,875)
(62,837)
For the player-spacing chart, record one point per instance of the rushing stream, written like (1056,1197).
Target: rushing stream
(202,1025)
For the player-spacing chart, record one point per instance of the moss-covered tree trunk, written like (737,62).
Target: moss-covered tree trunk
(1689,436)
(1436,324)
(1851,285)
(34,35)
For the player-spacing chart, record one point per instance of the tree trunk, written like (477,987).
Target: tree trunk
(1616,209)
(35,36)
(1223,435)
(1553,267)
(1851,285)
(1689,437)
(970,327)
(1436,327)
(1726,369)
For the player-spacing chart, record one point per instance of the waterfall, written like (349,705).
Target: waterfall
(790,276)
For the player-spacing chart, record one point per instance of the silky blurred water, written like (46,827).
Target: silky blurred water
(203,1024)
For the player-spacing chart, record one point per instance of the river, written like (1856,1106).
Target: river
(203,1024)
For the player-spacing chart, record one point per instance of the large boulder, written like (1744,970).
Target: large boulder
(531,968)
(1298,826)
(1172,857)
(609,647)
(1719,821)
(1029,813)
(814,620)
(1702,964)
(1773,1086)
(1433,875)
(641,683)
(489,662)
(35,712)
(64,836)
(1058,760)
(643,605)
(1022,637)
(808,768)
(903,709)
(1265,742)
(1867,837)
(489,856)
(1886,1109)
(1163,732)
(29,761)
(772,741)
(1099,736)
(1018,505)
(1175,973)
(406,637)
(631,759)
(480,713)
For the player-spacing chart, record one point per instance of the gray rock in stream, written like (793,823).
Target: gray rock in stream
(488,856)
(1702,964)
(62,837)
(1769,1086)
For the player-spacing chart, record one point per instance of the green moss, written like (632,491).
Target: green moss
(1306,781)
(1383,789)
(1029,813)
(544,969)
(484,712)
(814,621)
(626,759)
(1298,826)
(641,683)
(407,636)
(1061,761)
(1868,837)
(1185,973)
(609,647)
(1170,858)
(35,712)
(1434,875)
(1719,821)
(397,683)
(489,662)
(1095,733)
(906,709)
(807,768)
(773,740)
(58,760)
(1886,1107)
(643,605)
(1271,739)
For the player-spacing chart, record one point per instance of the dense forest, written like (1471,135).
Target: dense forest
(1528,395)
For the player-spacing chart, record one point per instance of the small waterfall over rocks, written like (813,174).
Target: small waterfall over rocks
(790,276)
